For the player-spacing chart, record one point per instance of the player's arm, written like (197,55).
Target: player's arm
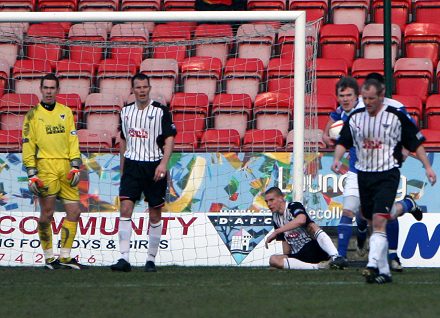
(74,153)
(168,133)
(345,141)
(29,153)
(122,148)
(430,173)
(299,220)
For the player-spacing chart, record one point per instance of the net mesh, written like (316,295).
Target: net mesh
(230,90)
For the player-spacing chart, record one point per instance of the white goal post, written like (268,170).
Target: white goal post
(299,17)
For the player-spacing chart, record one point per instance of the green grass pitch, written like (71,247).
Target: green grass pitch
(215,292)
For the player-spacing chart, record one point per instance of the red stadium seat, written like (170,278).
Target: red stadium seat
(350,12)
(54,5)
(413,76)
(73,101)
(426,11)
(255,41)
(326,103)
(201,75)
(372,41)
(171,33)
(87,32)
(232,111)
(339,40)
(179,5)
(432,136)
(162,74)
(101,112)
(114,77)
(4,75)
(91,140)
(280,74)
(273,111)
(423,40)
(220,140)
(186,141)
(362,67)
(134,33)
(216,49)
(243,76)
(257,5)
(98,5)
(10,140)
(42,33)
(286,41)
(13,108)
(263,140)
(413,105)
(312,138)
(27,75)
(17,5)
(190,111)
(75,77)
(10,35)
(433,112)
(400,11)
(328,73)
(314,9)
(140,5)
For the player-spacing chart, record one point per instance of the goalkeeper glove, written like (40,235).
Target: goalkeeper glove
(73,175)
(34,183)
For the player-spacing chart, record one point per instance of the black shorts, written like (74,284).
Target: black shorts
(137,178)
(311,253)
(377,191)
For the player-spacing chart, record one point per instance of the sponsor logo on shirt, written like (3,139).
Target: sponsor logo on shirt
(137,133)
(372,144)
(55,129)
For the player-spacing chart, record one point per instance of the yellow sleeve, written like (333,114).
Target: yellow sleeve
(29,150)
(74,152)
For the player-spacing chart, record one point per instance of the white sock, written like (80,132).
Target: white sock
(383,265)
(326,243)
(124,237)
(154,240)
(293,263)
(378,249)
(48,254)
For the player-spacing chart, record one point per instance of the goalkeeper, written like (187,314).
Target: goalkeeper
(52,159)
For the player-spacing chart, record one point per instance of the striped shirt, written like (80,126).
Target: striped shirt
(379,139)
(297,237)
(145,131)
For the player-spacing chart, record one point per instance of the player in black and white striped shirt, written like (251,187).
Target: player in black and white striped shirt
(147,139)
(305,244)
(378,133)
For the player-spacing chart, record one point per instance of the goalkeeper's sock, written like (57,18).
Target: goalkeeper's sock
(293,263)
(154,240)
(124,237)
(378,243)
(68,232)
(344,234)
(393,237)
(326,243)
(362,229)
(45,235)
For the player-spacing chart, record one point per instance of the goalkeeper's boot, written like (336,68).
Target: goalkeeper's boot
(361,248)
(395,265)
(121,266)
(53,263)
(416,212)
(324,264)
(370,274)
(71,263)
(383,279)
(150,267)
(339,262)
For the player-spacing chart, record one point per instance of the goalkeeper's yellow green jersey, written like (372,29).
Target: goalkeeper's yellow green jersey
(49,134)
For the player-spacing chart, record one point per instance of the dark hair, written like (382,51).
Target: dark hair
(139,77)
(347,82)
(50,77)
(275,190)
(376,76)
(375,83)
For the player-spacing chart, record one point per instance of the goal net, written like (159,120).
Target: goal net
(244,108)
